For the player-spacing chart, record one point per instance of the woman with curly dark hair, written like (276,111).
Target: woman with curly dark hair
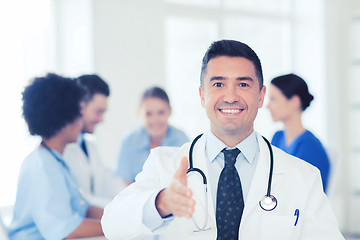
(48,203)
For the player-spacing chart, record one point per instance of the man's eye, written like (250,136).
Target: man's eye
(244,84)
(218,84)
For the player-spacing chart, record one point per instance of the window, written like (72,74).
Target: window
(191,26)
(25,50)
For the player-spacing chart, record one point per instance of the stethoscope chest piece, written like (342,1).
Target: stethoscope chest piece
(268,203)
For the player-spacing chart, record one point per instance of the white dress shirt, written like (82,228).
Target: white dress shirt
(245,162)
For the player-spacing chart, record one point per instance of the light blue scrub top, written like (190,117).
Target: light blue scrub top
(48,202)
(135,149)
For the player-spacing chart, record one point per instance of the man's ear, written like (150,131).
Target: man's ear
(262,96)
(202,97)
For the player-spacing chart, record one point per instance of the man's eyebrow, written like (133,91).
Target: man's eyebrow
(215,78)
(245,79)
(219,78)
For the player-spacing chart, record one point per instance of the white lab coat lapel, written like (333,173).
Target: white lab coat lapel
(259,183)
(200,161)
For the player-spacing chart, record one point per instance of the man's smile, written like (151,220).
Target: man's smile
(231,110)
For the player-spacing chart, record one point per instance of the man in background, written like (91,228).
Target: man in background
(97,183)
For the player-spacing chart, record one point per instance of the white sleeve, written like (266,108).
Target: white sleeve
(123,218)
(152,218)
(319,220)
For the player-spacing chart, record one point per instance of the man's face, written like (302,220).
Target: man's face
(231,96)
(93,112)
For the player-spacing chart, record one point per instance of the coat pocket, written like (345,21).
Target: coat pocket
(278,227)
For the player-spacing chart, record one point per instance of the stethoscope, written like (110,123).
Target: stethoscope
(267,203)
(55,156)
(63,164)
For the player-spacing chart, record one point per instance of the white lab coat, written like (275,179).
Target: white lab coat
(296,185)
(106,183)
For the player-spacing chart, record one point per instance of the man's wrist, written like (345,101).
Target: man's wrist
(160,206)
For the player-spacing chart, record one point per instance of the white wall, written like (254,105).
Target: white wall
(309,61)
(26,51)
(128,45)
(73,30)
(340,48)
(336,55)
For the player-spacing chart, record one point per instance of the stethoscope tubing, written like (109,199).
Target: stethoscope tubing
(268,193)
(271,166)
(191,166)
(54,155)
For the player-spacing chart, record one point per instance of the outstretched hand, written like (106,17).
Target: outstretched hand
(177,198)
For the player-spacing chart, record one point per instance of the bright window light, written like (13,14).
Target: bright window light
(24,51)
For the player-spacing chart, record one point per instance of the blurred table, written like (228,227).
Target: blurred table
(91,238)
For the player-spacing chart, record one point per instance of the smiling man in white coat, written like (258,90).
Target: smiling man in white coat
(235,160)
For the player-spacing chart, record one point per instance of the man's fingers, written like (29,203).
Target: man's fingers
(184,211)
(180,173)
(183,207)
(181,189)
(177,198)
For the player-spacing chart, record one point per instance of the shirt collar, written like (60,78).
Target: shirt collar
(145,142)
(248,146)
(57,156)
(80,138)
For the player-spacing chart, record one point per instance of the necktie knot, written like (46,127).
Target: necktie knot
(230,156)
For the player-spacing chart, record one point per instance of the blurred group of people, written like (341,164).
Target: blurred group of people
(63,184)
(64,179)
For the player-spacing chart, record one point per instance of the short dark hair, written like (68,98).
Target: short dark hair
(291,85)
(92,84)
(156,92)
(231,48)
(50,103)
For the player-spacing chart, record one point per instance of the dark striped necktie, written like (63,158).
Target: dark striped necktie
(83,147)
(229,199)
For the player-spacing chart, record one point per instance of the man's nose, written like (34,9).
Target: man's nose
(231,95)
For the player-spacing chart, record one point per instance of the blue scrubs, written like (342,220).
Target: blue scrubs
(306,147)
(48,202)
(135,149)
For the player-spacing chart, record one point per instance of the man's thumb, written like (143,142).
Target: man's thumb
(180,173)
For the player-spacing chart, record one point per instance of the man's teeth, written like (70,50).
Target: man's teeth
(230,110)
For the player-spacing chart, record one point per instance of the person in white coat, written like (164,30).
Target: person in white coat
(98,183)
(167,202)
